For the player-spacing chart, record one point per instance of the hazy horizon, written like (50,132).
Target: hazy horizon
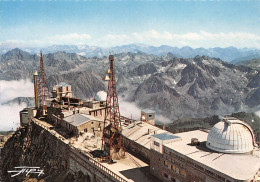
(9,47)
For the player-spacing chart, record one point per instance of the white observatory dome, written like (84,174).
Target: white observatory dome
(231,136)
(100,96)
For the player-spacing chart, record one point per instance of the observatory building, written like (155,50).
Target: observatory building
(227,153)
(231,136)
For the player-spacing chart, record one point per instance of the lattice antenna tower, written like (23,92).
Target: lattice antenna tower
(43,90)
(112,141)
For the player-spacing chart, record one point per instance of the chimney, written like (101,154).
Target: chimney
(35,88)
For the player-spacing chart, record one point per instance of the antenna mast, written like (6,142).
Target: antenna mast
(112,141)
(43,90)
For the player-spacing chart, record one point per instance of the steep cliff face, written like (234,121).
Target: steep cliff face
(35,147)
(143,69)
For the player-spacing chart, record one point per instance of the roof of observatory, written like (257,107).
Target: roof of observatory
(237,166)
(231,136)
(100,96)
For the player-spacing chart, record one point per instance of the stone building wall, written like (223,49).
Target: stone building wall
(137,148)
(54,115)
(99,113)
(156,163)
(173,167)
(92,125)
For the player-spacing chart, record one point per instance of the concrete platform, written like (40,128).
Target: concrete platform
(130,168)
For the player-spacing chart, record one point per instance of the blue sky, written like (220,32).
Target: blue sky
(109,23)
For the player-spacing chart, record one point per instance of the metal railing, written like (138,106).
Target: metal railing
(98,164)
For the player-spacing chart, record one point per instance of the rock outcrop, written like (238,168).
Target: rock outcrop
(35,147)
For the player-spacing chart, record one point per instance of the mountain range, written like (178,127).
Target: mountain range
(226,54)
(172,86)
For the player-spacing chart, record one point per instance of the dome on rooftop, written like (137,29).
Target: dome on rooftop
(231,136)
(100,96)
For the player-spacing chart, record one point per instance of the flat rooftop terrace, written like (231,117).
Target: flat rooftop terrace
(130,168)
(237,166)
(140,132)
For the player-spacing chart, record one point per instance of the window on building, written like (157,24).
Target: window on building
(92,129)
(166,163)
(86,130)
(67,89)
(156,144)
(221,178)
(190,163)
(199,167)
(173,167)
(150,115)
(92,122)
(182,172)
(165,175)
(209,172)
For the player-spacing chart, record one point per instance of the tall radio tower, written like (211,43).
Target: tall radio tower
(43,91)
(112,141)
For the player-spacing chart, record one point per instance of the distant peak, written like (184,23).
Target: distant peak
(15,51)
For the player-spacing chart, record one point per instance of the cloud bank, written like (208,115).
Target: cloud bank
(150,37)
(130,109)
(9,117)
(12,89)
(193,39)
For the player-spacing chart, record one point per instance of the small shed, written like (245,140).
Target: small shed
(158,140)
(148,116)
